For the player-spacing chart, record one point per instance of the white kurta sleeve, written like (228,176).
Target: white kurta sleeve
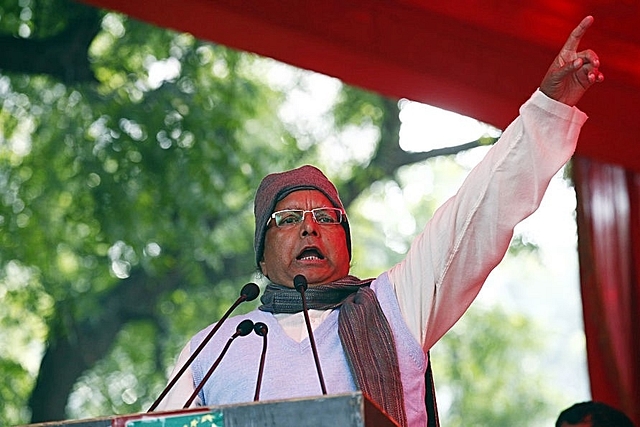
(470,233)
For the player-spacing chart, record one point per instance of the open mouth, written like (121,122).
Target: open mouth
(309,254)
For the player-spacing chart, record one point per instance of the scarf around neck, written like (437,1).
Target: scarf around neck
(364,332)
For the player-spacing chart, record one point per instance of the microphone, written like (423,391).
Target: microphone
(261,330)
(300,283)
(249,292)
(244,328)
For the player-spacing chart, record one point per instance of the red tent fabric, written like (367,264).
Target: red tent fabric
(482,59)
(478,58)
(609,253)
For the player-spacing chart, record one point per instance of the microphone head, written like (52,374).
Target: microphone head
(250,291)
(300,283)
(260,329)
(245,327)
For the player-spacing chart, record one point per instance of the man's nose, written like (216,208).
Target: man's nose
(309,225)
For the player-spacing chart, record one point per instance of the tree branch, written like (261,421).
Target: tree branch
(389,156)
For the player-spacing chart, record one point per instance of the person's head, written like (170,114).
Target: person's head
(592,414)
(316,244)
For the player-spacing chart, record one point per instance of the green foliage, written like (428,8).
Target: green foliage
(358,107)
(24,306)
(14,391)
(35,18)
(520,245)
(483,371)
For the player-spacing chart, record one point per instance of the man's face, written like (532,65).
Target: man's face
(317,251)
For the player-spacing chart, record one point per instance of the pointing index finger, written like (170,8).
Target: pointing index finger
(574,38)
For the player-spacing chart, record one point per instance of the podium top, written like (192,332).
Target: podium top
(344,410)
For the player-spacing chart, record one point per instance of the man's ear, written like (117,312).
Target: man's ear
(263,268)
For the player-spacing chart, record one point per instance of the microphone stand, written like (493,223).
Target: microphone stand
(244,328)
(249,292)
(300,283)
(261,330)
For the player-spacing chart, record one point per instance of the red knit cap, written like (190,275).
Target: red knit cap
(276,186)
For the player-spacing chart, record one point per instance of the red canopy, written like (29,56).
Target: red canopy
(478,58)
(483,59)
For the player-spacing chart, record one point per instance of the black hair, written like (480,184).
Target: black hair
(598,413)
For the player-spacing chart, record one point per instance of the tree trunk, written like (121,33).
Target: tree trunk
(74,349)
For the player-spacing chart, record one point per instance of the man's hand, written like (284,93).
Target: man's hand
(572,72)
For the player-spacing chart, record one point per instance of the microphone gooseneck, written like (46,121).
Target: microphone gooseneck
(244,328)
(300,283)
(249,292)
(261,330)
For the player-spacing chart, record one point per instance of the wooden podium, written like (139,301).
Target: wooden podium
(342,410)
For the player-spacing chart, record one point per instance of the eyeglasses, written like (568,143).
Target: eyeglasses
(323,216)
